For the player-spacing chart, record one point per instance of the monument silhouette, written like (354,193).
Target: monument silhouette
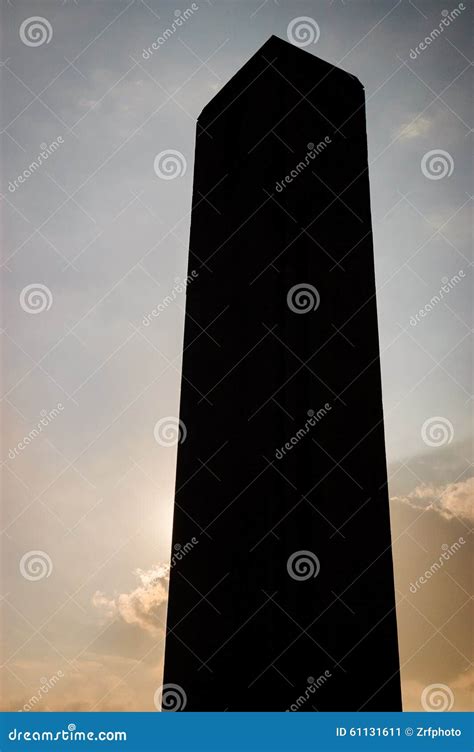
(283,594)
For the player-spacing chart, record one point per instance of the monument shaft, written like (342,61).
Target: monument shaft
(286,600)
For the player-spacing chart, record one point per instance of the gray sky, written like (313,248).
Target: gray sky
(108,238)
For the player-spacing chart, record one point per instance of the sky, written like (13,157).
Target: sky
(94,240)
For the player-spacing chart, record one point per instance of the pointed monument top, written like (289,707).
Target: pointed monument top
(286,60)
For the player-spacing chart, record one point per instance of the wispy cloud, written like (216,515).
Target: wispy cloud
(451,500)
(97,682)
(415,128)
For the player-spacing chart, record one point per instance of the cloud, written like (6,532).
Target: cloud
(92,682)
(465,681)
(106,606)
(451,500)
(461,686)
(142,605)
(419,127)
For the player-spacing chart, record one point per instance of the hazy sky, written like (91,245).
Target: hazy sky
(107,239)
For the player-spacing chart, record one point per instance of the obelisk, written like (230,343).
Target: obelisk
(285,599)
